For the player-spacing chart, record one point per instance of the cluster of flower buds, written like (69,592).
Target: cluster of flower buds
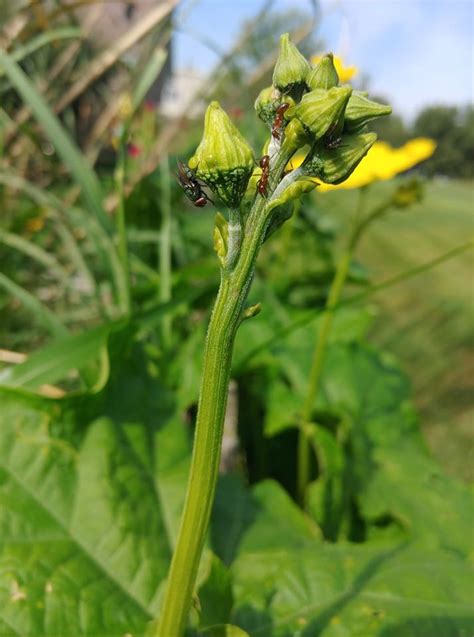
(304,108)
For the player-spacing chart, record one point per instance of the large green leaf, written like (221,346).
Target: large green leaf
(368,444)
(287,582)
(391,473)
(91,489)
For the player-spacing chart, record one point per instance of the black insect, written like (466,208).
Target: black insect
(332,142)
(279,119)
(191,185)
(262,183)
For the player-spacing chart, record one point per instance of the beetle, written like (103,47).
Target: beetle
(191,185)
(279,119)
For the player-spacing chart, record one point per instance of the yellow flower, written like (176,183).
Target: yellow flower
(345,72)
(382,162)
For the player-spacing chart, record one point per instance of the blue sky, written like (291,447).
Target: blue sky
(415,52)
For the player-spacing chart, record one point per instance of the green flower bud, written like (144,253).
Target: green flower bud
(223,159)
(321,111)
(295,137)
(338,163)
(291,67)
(324,74)
(408,193)
(267,103)
(361,110)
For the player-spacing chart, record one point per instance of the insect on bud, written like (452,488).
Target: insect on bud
(338,163)
(361,110)
(223,159)
(321,111)
(291,67)
(324,74)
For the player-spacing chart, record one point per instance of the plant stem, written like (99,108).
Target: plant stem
(316,368)
(165,249)
(225,319)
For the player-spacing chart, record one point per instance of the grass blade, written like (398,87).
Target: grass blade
(148,76)
(83,174)
(44,316)
(103,242)
(41,40)
(35,252)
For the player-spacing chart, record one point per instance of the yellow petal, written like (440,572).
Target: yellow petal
(345,72)
(384,162)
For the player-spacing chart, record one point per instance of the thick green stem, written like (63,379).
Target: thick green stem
(223,325)
(337,286)
(225,319)
(207,442)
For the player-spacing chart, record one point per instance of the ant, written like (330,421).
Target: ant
(279,119)
(192,186)
(332,142)
(262,183)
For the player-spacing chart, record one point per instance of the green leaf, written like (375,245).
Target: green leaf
(52,363)
(288,582)
(91,489)
(391,471)
(215,594)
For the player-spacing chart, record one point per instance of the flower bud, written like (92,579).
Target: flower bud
(223,159)
(295,137)
(324,74)
(408,193)
(361,110)
(321,111)
(267,103)
(291,67)
(338,163)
